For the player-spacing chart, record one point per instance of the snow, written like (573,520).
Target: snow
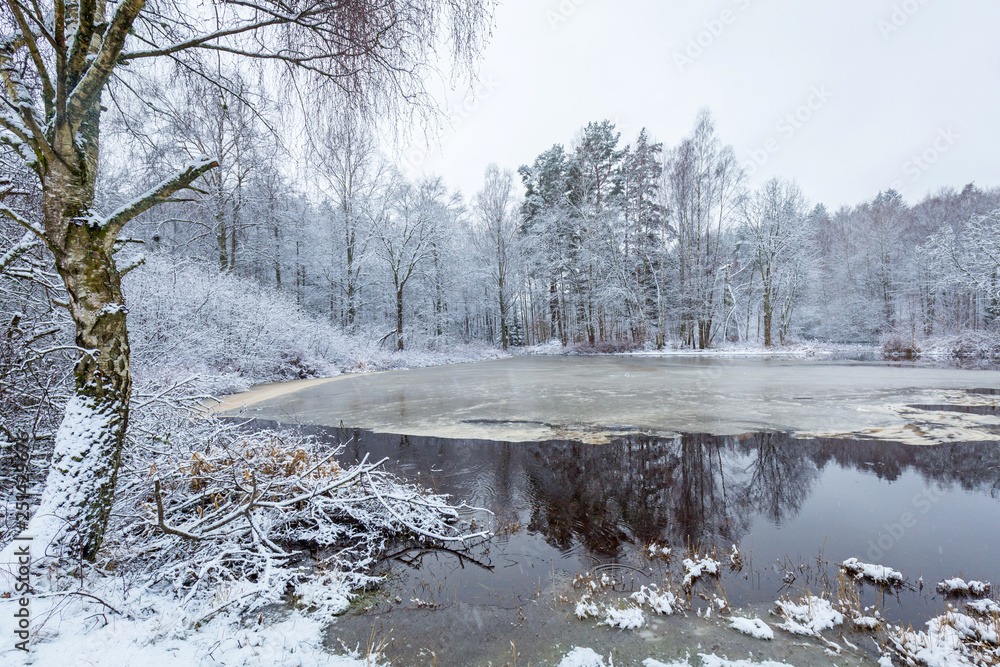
(712,660)
(866,622)
(984,607)
(154,632)
(84,444)
(586,608)
(664,602)
(879,574)
(753,627)
(582,657)
(656,551)
(630,618)
(809,616)
(695,568)
(951,640)
(957,586)
(553,346)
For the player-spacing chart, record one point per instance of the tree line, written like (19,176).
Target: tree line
(599,243)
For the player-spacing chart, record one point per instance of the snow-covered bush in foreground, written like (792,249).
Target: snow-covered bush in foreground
(213,522)
(245,518)
(808,616)
(951,640)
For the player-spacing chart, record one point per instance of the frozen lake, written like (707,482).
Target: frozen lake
(583,462)
(596,399)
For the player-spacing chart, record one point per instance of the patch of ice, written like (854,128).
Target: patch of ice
(582,657)
(753,627)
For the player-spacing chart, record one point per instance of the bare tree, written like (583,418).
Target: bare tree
(498,239)
(773,221)
(56,61)
(405,238)
(704,182)
(350,171)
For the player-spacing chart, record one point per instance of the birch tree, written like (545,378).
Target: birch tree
(498,239)
(773,222)
(58,58)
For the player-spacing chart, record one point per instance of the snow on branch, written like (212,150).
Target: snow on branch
(258,514)
(159,194)
(27,242)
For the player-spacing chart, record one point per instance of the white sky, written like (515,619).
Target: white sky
(897,83)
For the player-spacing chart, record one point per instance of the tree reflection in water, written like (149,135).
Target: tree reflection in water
(690,490)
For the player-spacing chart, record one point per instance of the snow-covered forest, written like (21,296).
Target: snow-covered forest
(611,242)
(194,200)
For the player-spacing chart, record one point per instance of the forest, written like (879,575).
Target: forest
(609,244)
(195,199)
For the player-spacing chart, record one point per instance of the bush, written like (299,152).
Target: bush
(896,345)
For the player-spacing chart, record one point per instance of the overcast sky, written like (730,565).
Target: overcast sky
(870,85)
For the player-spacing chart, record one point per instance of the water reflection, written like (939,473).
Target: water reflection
(693,489)
(566,505)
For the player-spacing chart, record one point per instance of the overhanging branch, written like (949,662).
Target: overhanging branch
(158,195)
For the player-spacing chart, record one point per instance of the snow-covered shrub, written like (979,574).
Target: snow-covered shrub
(974,345)
(958,587)
(809,615)
(211,517)
(222,516)
(188,319)
(953,639)
(695,568)
(607,347)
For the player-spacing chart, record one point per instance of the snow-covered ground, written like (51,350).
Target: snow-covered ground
(129,630)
